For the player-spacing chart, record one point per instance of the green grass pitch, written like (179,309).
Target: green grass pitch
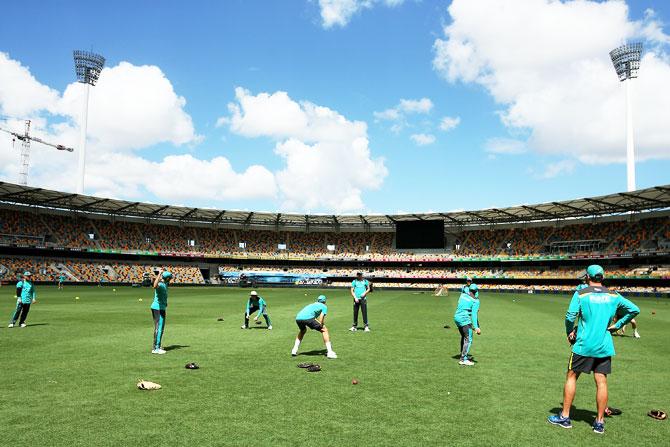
(68,379)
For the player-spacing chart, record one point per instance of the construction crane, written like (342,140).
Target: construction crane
(25,140)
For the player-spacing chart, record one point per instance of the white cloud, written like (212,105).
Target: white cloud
(405,107)
(449,123)
(562,167)
(547,63)
(505,146)
(340,12)
(423,105)
(423,139)
(131,108)
(328,160)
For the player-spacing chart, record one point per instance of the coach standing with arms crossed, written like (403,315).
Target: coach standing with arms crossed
(592,348)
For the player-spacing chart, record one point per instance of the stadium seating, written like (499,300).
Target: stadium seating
(23,228)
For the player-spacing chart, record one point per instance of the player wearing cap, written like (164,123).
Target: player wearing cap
(468,281)
(25,296)
(359,292)
(256,303)
(592,346)
(158,307)
(61,279)
(312,316)
(466,319)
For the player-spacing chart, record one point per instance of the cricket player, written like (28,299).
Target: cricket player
(466,319)
(25,296)
(468,282)
(592,346)
(61,279)
(312,316)
(359,292)
(256,303)
(161,283)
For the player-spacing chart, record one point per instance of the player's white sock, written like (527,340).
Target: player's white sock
(329,346)
(296,345)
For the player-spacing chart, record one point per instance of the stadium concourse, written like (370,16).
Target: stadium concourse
(541,247)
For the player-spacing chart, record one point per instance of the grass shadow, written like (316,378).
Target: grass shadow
(175,347)
(458,356)
(314,352)
(577,414)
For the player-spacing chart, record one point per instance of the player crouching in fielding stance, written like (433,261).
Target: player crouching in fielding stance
(466,320)
(359,292)
(256,303)
(592,349)
(25,296)
(312,316)
(158,307)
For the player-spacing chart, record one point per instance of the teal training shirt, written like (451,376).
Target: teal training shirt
(467,311)
(19,288)
(360,287)
(312,311)
(581,286)
(160,297)
(596,306)
(27,292)
(260,303)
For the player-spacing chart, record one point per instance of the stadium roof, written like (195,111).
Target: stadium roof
(643,200)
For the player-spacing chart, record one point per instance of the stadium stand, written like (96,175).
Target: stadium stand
(632,230)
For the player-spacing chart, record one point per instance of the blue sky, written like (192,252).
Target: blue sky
(497,154)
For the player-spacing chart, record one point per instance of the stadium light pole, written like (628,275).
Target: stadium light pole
(87,67)
(626,61)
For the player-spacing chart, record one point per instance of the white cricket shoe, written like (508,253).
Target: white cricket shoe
(466,363)
(367,329)
(636,334)
(353,329)
(159,351)
(294,353)
(331,355)
(244,326)
(23,325)
(269,328)
(11,325)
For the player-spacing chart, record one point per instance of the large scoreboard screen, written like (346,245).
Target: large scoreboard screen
(419,234)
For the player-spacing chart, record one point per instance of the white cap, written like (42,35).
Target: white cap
(253,293)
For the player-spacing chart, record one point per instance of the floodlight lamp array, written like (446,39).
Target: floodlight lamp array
(626,60)
(88,66)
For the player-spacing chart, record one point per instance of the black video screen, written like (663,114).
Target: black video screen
(419,234)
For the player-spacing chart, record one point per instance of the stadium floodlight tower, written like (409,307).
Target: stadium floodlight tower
(626,60)
(87,66)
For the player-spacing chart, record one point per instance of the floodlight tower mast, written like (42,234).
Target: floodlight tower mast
(626,61)
(87,67)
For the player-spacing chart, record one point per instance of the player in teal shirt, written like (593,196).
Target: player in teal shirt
(158,306)
(592,348)
(468,281)
(61,280)
(466,319)
(359,292)
(25,296)
(312,316)
(256,303)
